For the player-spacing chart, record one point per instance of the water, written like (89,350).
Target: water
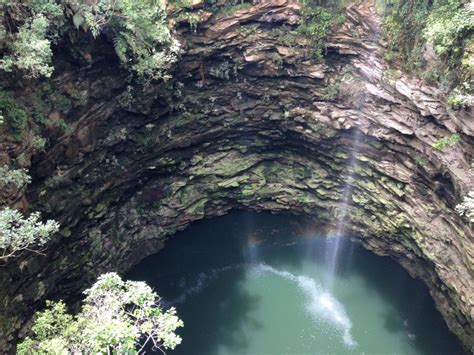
(257,284)
(333,244)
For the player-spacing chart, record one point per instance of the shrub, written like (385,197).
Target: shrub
(445,142)
(18,234)
(14,114)
(117,317)
(30,48)
(446,25)
(38,143)
(331,92)
(466,207)
(18,177)
(139,30)
(404,21)
(316,22)
(457,99)
(224,70)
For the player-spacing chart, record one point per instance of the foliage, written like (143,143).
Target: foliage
(63,126)
(331,92)
(458,99)
(466,207)
(49,325)
(18,233)
(346,87)
(225,8)
(391,74)
(233,7)
(14,114)
(445,142)
(184,11)
(190,17)
(117,317)
(180,3)
(287,38)
(224,70)
(17,177)
(316,22)
(38,143)
(30,47)
(31,51)
(403,25)
(139,30)
(450,28)
(447,26)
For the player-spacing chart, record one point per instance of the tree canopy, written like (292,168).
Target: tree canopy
(119,317)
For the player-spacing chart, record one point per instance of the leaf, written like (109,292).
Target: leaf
(77,20)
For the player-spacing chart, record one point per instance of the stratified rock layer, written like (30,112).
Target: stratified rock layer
(251,121)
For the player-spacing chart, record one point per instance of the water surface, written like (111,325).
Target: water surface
(264,284)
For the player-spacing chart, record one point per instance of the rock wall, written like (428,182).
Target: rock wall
(251,121)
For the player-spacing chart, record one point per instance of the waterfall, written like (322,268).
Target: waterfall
(333,244)
(250,251)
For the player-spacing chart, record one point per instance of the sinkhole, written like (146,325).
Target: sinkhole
(257,283)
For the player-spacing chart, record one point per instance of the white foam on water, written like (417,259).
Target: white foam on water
(321,305)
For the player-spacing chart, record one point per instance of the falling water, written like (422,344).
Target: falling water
(334,244)
(251,241)
(370,68)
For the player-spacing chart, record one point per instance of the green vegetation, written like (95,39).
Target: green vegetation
(316,22)
(117,317)
(403,26)
(31,51)
(17,177)
(38,143)
(287,38)
(190,17)
(37,25)
(345,87)
(234,6)
(183,11)
(466,207)
(331,92)
(18,234)
(390,75)
(228,7)
(446,24)
(13,114)
(138,29)
(459,98)
(446,142)
(224,70)
(448,27)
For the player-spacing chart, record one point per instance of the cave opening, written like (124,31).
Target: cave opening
(248,283)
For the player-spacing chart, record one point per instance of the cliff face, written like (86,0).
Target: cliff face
(250,120)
